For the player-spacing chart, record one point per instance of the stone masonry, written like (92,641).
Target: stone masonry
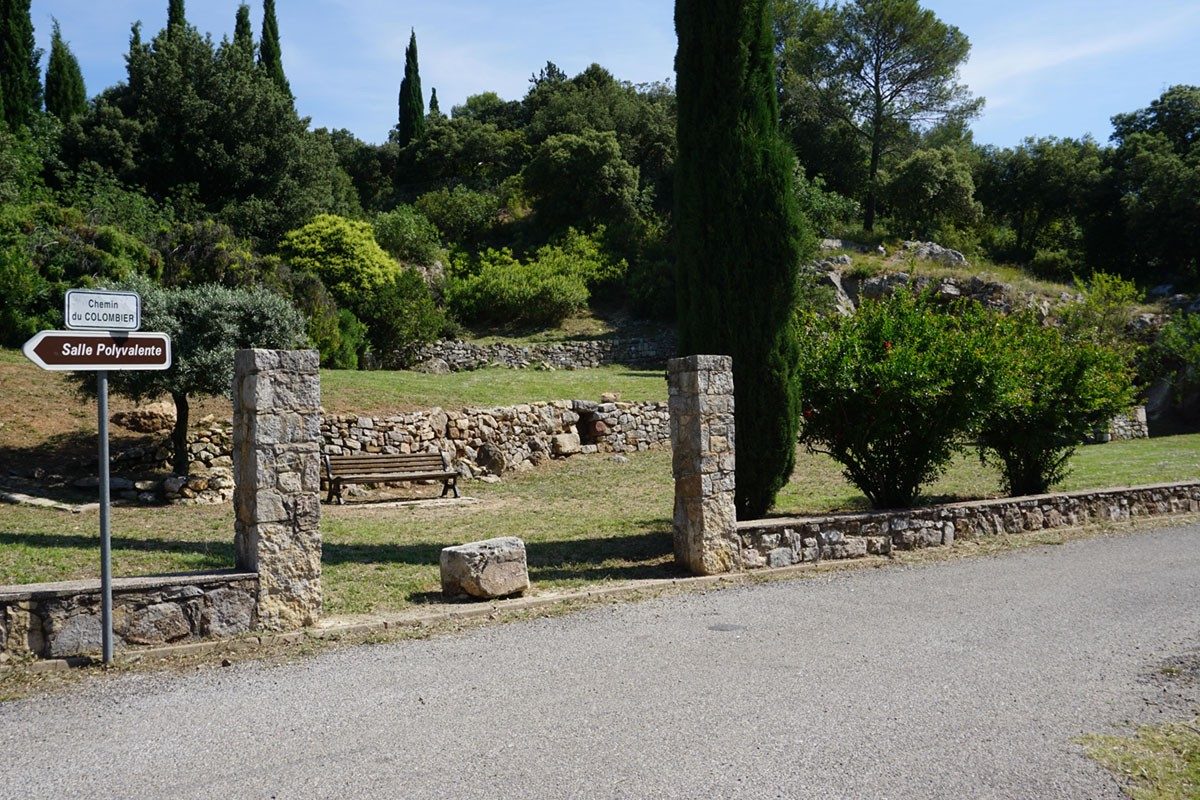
(702,437)
(276,464)
(459,356)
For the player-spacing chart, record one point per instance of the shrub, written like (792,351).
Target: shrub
(401,317)
(1051,393)
(508,293)
(892,391)
(931,190)
(466,218)
(408,235)
(345,255)
(827,211)
(1176,354)
(1103,313)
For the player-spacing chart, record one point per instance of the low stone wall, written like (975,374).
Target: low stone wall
(59,620)
(499,440)
(459,356)
(1124,427)
(783,542)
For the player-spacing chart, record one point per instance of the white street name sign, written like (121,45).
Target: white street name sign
(92,310)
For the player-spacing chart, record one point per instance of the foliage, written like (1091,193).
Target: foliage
(581,180)
(206,323)
(466,218)
(931,191)
(270,55)
(207,252)
(1052,392)
(66,96)
(1176,354)
(828,211)
(45,250)
(412,103)
(407,235)
(1102,314)
(500,290)
(199,127)
(20,84)
(401,317)
(463,150)
(344,254)
(740,234)
(880,69)
(892,392)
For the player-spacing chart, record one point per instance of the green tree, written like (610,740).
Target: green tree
(176,17)
(243,35)
(435,108)
(931,192)
(20,82)
(206,325)
(66,96)
(270,55)
(582,181)
(740,235)
(882,68)
(412,104)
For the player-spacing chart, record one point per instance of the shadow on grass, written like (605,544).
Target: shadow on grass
(630,557)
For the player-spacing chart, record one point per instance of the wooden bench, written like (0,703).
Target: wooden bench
(382,468)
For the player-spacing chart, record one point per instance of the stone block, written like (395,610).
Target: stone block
(155,624)
(487,569)
(227,611)
(73,632)
(565,444)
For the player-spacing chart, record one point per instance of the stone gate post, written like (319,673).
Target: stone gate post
(702,441)
(277,473)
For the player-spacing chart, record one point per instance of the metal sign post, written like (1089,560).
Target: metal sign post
(102,338)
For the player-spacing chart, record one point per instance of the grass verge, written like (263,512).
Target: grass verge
(1158,762)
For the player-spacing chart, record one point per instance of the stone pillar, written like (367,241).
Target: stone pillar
(702,439)
(277,474)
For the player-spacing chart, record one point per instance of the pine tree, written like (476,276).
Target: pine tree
(741,236)
(270,56)
(412,104)
(243,36)
(435,108)
(175,15)
(66,96)
(20,76)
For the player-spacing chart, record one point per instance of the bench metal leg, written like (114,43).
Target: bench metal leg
(449,485)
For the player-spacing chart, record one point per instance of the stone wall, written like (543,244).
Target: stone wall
(459,356)
(499,440)
(783,542)
(59,620)
(1124,427)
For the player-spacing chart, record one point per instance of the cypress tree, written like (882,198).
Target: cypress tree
(435,108)
(20,76)
(412,104)
(175,15)
(66,96)
(741,236)
(270,56)
(243,36)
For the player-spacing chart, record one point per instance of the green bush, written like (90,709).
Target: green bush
(406,234)
(929,191)
(1176,354)
(892,392)
(1051,393)
(505,292)
(1103,313)
(345,255)
(401,317)
(829,212)
(465,218)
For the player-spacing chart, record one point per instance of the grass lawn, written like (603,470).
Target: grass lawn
(1159,762)
(584,520)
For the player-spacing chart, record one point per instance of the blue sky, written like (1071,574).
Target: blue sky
(1046,67)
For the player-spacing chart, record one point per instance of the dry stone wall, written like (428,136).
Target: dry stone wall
(62,620)
(783,542)
(459,356)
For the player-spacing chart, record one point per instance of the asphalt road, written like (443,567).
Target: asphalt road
(961,680)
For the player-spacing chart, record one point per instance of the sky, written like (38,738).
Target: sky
(1045,67)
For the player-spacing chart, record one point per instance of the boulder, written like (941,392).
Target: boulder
(485,570)
(565,444)
(147,419)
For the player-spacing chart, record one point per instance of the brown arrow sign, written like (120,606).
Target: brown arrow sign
(66,351)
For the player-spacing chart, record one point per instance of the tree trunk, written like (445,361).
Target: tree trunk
(876,146)
(179,443)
